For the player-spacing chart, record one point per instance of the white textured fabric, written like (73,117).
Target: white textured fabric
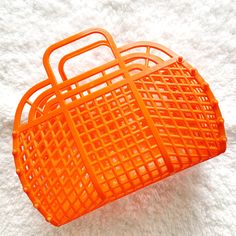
(198,201)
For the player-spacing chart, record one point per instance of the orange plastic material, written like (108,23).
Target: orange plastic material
(114,129)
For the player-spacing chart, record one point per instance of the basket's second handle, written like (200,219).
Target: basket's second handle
(108,42)
(65,58)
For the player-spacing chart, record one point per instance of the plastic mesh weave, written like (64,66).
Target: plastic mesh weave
(84,145)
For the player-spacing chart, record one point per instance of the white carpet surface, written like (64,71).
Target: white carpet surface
(198,201)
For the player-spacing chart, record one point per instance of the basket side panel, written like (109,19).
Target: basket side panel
(52,172)
(183,114)
(119,143)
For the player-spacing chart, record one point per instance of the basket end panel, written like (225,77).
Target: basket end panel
(185,113)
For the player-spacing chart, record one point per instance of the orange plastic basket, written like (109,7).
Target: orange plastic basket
(112,130)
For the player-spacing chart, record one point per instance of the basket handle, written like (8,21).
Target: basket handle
(108,42)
